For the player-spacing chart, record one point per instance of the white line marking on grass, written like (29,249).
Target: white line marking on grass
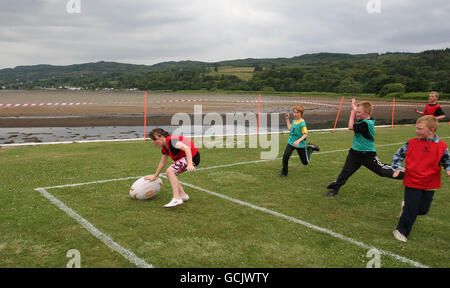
(266,160)
(69,142)
(210,168)
(306,224)
(141,263)
(126,253)
(88,183)
(315,153)
(130,256)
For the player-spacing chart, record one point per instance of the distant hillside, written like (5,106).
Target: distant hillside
(40,72)
(43,71)
(299,61)
(323,72)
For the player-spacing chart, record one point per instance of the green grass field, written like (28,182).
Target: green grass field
(238,216)
(243,73)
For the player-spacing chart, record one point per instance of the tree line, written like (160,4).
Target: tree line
(386,74)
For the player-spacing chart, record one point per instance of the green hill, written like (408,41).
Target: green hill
(322,72)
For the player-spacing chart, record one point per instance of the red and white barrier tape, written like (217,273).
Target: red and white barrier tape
(256,101)
(200,100)
(164,101)
(46,104)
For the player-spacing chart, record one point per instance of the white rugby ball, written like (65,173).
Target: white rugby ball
(144,189)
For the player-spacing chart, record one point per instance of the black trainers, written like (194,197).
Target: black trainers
(331,193)
(282,175)
(314,147)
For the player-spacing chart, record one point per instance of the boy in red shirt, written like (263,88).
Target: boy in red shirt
(185,156)
(423,159)
(432,108)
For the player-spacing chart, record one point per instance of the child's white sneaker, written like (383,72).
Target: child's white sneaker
(399,236)
(174,202)
(185,197)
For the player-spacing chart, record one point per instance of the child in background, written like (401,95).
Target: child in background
(185,155)
(297,140)
(363,151)
(432,108)
(423,159)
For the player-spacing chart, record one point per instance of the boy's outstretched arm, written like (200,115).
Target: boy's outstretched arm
(297,142)
(418,112)
(440,117)
(288,121)
(445,161)
(398,158)
(351,121)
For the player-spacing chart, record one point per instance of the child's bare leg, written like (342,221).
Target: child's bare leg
(181,190)
(175,183)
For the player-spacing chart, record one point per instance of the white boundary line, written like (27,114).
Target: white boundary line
(67,142)
(130,256)
(307,224)
(141,263)
(315,153)
(141,139)
(190,136)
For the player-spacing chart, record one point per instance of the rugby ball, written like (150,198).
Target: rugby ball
(144,189)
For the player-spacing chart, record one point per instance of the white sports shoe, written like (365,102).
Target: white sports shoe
(185,197)
(174,202)
(399,236)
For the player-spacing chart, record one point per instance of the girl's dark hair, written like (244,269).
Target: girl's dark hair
(158,132)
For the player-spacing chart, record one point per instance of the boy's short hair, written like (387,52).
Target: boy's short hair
(435,92)
(367,106)
(430,121)
(299,108)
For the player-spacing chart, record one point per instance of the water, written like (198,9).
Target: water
(64,134)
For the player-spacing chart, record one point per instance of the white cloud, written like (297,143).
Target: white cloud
(148,32)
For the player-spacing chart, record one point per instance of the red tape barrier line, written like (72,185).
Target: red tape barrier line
(47,104)
(266,101)
(201,100)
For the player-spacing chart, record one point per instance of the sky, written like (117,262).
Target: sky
(64,32)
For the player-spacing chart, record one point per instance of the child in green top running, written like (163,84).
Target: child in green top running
(363,151)
(297,140)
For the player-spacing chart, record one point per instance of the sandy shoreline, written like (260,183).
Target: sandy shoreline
(81,121)
(126,108)
(120,114)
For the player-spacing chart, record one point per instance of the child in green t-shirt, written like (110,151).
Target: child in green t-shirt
(297,140)
(363,150)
